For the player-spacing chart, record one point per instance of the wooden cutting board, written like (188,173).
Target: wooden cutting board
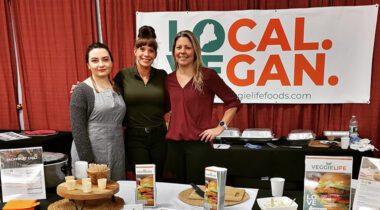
(317,143)
(96,193)
(185,197)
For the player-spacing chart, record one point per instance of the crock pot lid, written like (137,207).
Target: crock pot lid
(53,157)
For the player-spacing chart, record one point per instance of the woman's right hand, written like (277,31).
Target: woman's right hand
(73,87)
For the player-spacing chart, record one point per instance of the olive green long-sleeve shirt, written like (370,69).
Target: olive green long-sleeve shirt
(145,103)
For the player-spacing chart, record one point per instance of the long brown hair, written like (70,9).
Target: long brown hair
(197,63)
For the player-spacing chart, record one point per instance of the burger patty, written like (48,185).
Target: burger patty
(330,190)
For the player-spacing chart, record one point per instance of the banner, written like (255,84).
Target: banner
(290,56)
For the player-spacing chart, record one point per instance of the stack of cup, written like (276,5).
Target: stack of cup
(80,169)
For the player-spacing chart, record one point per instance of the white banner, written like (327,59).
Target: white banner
(313,55)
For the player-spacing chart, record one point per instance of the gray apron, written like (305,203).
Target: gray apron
(106,133)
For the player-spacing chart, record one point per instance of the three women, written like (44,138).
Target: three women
(190,89)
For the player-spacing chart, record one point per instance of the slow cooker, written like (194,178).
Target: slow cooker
(56,167)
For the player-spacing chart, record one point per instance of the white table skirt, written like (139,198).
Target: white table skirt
(167,196)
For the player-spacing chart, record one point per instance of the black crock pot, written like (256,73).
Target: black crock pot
(55,168)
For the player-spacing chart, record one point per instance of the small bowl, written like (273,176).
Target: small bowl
(279,203)
(95,175)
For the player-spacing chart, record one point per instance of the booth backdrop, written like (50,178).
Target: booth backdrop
(49,40)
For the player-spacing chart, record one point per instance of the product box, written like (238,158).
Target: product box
(215,183)
(327,183)
(146,184)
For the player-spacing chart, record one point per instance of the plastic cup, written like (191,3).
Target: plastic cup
(67,178)
(70,184)
(102,183)
(345,142)
(277,186)
(86,186)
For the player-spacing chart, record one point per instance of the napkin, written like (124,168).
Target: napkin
(231,194)
(20,205)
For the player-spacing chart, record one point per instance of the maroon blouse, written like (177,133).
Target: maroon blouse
(191,111)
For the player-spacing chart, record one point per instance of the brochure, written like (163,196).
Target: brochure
(327,182)
(368,186)
(10,136)
(22,174)
(146,184)
(215,183)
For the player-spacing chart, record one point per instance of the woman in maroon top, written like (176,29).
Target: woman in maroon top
(191,89)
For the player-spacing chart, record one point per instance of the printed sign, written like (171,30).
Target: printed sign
(327,183)
(368,189)
(22,174)
(313,55)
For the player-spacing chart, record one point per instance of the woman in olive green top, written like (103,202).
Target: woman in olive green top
(143,92)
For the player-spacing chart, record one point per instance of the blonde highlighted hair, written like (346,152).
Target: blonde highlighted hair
(197,63)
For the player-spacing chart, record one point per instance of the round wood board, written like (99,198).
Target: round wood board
(96,193)
(101,204)
(184,197)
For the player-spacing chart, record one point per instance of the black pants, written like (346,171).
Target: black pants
(187,170)
(146,146)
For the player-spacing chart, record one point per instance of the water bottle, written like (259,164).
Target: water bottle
(353,128)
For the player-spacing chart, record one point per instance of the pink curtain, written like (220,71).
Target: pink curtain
(8,92)
(52,37)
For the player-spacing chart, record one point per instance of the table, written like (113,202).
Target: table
(60,142)
(253,167)
(167,196)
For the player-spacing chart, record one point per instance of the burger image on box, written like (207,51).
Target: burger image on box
(334,191)
(145,190)
(212,192)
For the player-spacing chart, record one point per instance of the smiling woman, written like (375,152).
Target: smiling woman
(97,110)
(143,91)
(191,89)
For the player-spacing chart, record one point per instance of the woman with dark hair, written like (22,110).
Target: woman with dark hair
(144,94)
(191,89)
(97,110)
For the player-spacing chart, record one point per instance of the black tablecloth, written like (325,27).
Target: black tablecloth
(252,167)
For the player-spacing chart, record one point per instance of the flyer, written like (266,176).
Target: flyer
(368,186)
(11,136)
(327,183)
(22,174)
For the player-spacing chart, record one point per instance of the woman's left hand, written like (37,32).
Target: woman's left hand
(210,134)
